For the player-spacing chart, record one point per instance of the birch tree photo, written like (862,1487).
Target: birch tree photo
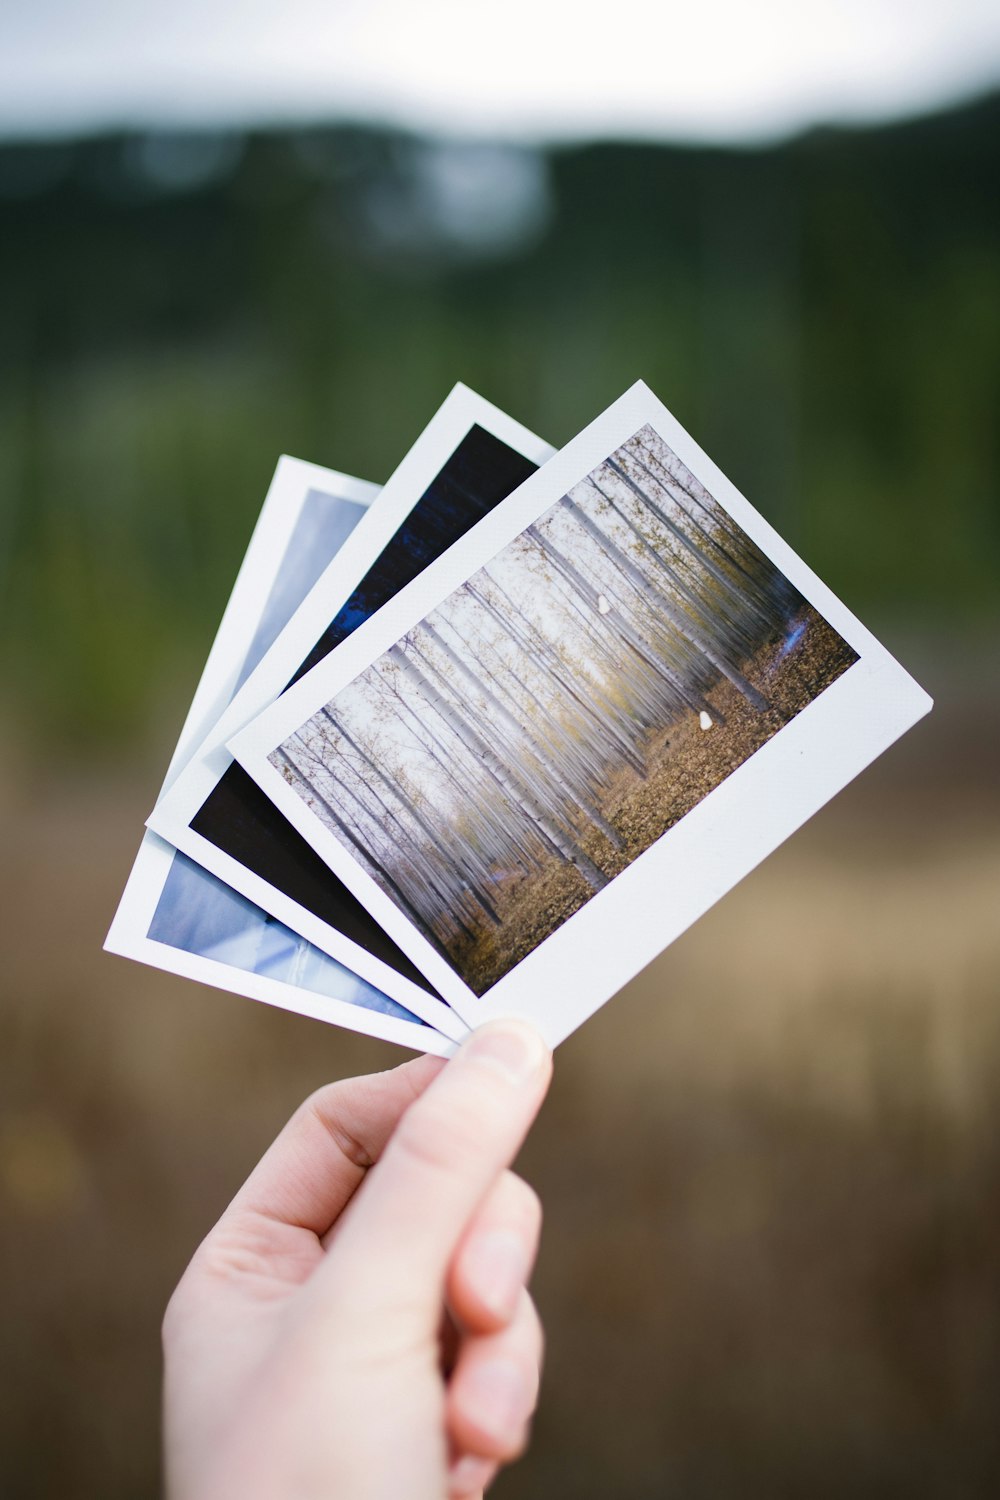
(562,709)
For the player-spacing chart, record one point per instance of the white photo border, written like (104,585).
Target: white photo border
(736,825)
(172,816)
(128,936)
(291,482)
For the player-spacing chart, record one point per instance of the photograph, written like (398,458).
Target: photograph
(562,709)
(307,515)
(199,914)
(467,460)
(595,714)
(322,527)
(176,915)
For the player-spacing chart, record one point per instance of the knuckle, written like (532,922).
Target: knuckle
(241,1244)
(326,1107)
(240,1248)
(320,1102)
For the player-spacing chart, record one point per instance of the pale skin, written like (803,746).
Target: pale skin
(357,1326)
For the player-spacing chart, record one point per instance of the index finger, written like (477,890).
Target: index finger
(313,1168)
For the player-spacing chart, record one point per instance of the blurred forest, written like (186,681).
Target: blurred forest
(770,1167)
(176,310)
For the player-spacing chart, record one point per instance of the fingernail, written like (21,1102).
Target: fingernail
(497,1400)
(512,1047)
(496,1263)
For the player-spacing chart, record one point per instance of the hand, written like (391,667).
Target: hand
(356,1326)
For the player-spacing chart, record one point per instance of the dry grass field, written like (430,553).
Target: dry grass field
(771,1167)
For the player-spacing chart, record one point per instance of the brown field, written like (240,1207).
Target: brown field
(771,1168)
(684,763)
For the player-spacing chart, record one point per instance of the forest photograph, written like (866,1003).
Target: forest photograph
(562,709)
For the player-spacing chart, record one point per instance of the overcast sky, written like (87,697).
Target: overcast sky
(523,70)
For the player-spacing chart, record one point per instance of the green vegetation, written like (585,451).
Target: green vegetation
(822,315)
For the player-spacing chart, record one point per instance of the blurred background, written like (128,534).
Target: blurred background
(772,1166)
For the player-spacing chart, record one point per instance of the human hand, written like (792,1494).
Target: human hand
(357,1325)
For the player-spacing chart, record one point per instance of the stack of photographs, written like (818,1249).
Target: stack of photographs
(483,742)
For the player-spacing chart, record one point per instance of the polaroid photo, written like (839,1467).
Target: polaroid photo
(176,916)
(567,739)
(307,516)
(467,460)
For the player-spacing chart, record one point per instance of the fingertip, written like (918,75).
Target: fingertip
(493,1264)
(510,1046)
(490,1274)
(469,1476)
(492,1401)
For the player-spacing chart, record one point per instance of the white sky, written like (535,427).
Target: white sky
(522,70)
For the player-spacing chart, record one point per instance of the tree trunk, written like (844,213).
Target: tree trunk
(521,795)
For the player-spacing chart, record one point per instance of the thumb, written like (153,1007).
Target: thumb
(398,1237)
